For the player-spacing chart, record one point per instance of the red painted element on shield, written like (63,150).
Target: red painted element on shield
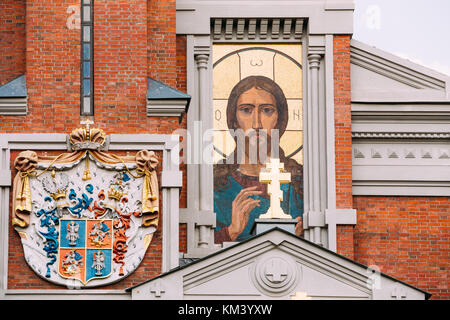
(120,240)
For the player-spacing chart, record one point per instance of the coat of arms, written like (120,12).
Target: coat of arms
(87,215)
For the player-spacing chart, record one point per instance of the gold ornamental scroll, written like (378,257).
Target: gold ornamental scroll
(147,162)
(25,162)
(83,141)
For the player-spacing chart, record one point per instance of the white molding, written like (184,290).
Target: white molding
(232,274)
(48,141)
(5,178)
(250,30)
(425,112)
(358,48)
(404,81)
(193,16)
(166,107)
(13,106)
(66,294)
(400,135)
(399,188)
(199,215)
(402,128)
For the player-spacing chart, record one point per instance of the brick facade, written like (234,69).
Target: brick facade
(162,42)
(12,39)
(53,71)
(407,238)
(343,139)
(122,39)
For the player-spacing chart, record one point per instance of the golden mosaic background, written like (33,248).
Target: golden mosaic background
(281,63)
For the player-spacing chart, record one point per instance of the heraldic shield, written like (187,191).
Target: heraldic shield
(85,249)
(85,217)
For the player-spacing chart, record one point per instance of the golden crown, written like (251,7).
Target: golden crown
(115,194)
(87,136)
(59,194)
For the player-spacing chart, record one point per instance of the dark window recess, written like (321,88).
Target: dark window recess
(87,66)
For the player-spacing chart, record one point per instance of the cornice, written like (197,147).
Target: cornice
(400,135)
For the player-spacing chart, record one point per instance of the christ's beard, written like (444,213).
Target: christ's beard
(258,147)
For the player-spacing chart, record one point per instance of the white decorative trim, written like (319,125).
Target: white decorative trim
(194,17)
(247,271)
(414,110)
(396,153)
(166,108)
(66,294)
(401,188)
(5,178)
(168,144)
(253,30)
(393,67)
(13,106)
(406,168)
(378,76)
(400,135)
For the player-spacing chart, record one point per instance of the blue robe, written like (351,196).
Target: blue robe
(223,198)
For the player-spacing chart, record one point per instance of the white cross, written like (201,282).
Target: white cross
(398,293)
(274,176)
(276,271)
(87,122)
(300,296)
(157,289)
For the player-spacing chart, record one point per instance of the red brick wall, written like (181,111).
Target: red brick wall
(12,39)
(53,71)
(120,66)
(162,46)
(181,63)
(407,238)
(343,139)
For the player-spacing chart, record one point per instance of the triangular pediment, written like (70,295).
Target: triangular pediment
(378,76)
(274,265)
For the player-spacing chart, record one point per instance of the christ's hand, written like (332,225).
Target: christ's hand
(241,207)
(299,226)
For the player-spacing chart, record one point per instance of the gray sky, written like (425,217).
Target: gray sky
(414,29)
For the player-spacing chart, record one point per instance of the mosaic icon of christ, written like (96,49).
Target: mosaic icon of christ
(257,106)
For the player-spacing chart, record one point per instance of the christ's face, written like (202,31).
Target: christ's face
(256,109)
(257,116)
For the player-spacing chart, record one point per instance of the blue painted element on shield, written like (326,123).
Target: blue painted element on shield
(125,177)
(90,188)
(78,256)
(83,202)
(80,242)
(49,220)
(98,265)
(104,227)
